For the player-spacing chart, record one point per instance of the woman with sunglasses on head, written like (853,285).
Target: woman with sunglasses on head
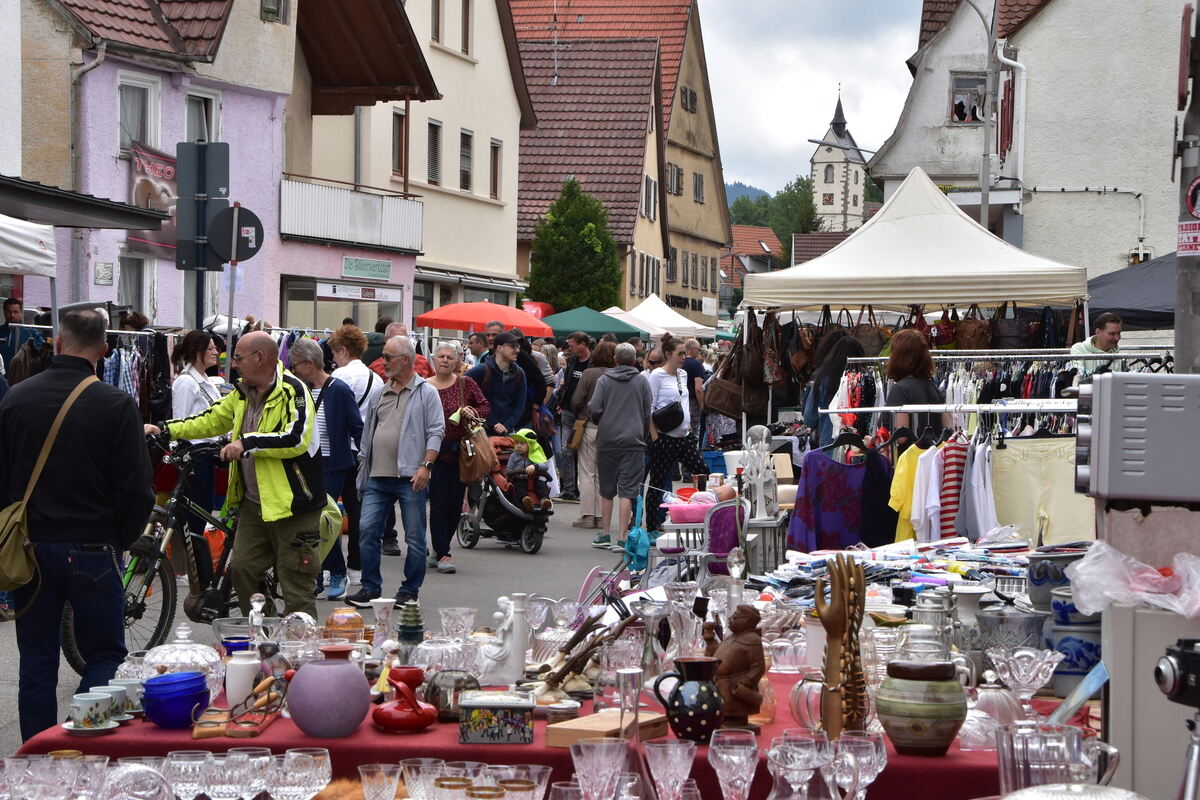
(192,393)
(678,444)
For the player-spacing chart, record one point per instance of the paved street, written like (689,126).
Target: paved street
(483,574)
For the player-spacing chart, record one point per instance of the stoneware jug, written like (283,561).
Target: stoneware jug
(921,705)
(329,699)
(695,707)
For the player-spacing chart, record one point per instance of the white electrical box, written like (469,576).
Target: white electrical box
(1139,437)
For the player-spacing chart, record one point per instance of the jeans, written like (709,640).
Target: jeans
(445,505)
(566,473)
(200,491)
(88,575)
(335,562)
(353,506)
(381,494)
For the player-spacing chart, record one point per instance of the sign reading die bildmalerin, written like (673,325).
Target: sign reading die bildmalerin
(370,268)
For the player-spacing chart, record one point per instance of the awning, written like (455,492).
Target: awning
(50,205)
(360,54)
(465,279)
(1142,295)
(26,248)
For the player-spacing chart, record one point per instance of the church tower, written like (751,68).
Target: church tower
(839,176)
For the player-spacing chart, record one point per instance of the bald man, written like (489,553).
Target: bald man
(275,476)
(420,366)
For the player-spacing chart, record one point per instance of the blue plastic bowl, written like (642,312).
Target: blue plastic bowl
(173,682)
(174,712)
(181,692)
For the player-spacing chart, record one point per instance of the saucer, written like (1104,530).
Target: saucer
(107,727)
(128,715)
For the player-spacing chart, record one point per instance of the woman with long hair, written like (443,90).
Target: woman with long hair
(192,393)
(674,446)
(911,368)
(825,385)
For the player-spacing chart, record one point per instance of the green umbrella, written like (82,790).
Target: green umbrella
(593,323)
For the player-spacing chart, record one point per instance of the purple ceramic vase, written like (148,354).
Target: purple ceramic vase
(328,699)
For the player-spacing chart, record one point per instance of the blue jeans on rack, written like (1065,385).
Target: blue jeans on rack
(88,575)
(380,495)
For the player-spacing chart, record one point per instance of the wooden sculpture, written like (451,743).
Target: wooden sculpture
(742,667)
(844,695)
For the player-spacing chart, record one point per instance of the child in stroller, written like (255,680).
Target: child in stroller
(527,469)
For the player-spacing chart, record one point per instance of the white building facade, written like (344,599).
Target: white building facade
(839,177)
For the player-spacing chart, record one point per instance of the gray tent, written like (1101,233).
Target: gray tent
(1143,295)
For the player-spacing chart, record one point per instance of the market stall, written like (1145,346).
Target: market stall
(655,312)
(593,323)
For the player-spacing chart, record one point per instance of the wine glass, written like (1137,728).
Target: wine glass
(379,781)
(796,755)
(41,778)
(465,769)
(733,755)
(518,788)
(93,774)
(186,771)
(151,762)
(689,790)
(629,786)
(457,622)
(321,772)
(228,777)
(419,774)
(538,773)
(289,776)
(1025,670)
(597,764)
(875,738)
(670,763)
(130,781)
(565,790)
(450,787)
(536,609)
(260,760)
(856,773)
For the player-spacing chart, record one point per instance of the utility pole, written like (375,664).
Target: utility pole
(989,125)
(1187,259)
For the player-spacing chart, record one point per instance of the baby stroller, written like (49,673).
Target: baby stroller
(491,512)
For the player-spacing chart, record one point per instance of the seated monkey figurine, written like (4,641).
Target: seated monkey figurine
(742,667)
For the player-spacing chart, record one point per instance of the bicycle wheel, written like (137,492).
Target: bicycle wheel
(149,611)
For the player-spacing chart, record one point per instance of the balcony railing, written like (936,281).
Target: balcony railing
(315,208)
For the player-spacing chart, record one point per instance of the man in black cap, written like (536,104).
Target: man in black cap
(503,384)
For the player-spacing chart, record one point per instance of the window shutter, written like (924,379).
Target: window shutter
(434,154)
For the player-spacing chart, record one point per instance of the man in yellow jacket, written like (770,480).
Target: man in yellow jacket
(275,478)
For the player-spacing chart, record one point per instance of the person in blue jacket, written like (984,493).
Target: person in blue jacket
(503,384)
(339,426)
(826,378)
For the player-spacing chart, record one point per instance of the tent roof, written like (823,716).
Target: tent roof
(26,248)
(920,249)
(591,322)
(656,312)
(629,319)
(1143,295)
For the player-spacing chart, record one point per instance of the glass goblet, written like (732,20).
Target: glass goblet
(186,771)
(876,738)
(856,765)
(1025,670)
(670,763)
(457,622)
(93,774)
(379,781)
(228,777)
(538,773)
(565,790)
(289,776)
(795,756)
(597,763)
(733,755)
(419,774)
(128,781)
(260,760)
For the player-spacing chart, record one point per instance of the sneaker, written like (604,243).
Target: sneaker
(445,565)
(337,587)
(402,598)
(353,577)
(392,548)
(601,541)
(431,562)
(586,521)
(619,547)
(361,599)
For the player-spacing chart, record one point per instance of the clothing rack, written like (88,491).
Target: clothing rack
(1017,355)
(109,333)
(1014,406)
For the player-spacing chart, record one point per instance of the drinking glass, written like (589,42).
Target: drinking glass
(1036,754)
(419,774)
(228,777)
(93,774)
(41,778)
(629,786)
(538,773)
(379,781)
(689,790)
(880,759)
(152,762)
(321,772)
(670,763)
(484,793)
(130,781)
(1025,670)
(565,790)
(260,760)
(289,776)
(450,787)
(597,763)
(795,756)
(536,609)
(857,773)
(457,622)
(518,788)
(186,771)
(465,769)
(733,755)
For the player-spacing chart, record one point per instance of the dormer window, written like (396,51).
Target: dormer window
(966,99)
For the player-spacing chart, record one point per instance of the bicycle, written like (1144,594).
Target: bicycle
(149,579)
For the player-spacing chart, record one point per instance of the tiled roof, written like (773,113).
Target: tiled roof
(180,27)
(592,124)
(665,20)
(749,239)
(807,246)
(1013,14)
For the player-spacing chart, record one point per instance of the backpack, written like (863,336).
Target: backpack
(18,560)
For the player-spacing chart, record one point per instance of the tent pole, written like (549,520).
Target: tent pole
(745,342)
(1087,320)
(53,309)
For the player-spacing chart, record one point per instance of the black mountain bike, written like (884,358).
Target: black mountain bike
(151,591)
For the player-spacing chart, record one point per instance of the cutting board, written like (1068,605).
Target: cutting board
(605,723)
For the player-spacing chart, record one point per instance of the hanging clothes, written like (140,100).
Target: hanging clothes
(1034,487)
(903,484)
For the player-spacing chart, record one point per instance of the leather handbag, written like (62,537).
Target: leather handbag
(916,321)
(476,457)
(869,335)
(18,559)
(942,333)
(974,332)
(575,440)
(722,395)
(798,349)
(752,353)
(773,374)
(1008,333)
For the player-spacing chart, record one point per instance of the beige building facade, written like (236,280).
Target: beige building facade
(839,177)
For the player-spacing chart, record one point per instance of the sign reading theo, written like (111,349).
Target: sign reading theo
(369,268)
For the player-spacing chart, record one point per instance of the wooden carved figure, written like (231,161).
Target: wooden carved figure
(844,696)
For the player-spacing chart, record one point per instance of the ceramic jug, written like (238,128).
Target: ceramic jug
(921,705)
(695,707)
(329,699)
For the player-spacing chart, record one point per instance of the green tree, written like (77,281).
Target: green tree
(745,211)
(573,257)
(872,191)
(792,211)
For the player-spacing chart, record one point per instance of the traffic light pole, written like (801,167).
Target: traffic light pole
(1187,264)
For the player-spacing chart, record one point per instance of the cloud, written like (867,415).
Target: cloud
(775,65)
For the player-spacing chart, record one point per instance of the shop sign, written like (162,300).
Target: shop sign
(1189,238)
(152,185)
(370,268)
(343,291)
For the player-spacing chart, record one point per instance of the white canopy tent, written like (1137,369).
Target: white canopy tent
(616,312)
(919,249)
(26,248)
(654,311)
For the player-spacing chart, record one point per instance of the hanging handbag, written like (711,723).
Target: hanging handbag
(721,395)
(942,333)
(18,559)
(575,440)
(1007,332)
(916,321)
(752,353)
(773,374)
(799,349)
(974,332)
(670,416)
(476,457)
(869,335)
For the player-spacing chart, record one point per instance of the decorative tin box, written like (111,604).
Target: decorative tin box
(495,718)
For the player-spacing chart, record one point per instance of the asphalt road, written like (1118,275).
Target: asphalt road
(484,574)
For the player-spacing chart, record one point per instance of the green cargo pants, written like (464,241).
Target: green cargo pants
(289,545)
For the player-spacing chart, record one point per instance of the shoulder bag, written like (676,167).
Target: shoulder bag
(974,332)
(670,416)
(18,560)
(476,457)
(943,332)
(870,335)
(722,395)
(1007,332)
(773,374)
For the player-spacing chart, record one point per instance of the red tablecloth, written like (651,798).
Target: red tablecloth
(957,776)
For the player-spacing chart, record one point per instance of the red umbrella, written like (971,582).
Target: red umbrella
(474,316)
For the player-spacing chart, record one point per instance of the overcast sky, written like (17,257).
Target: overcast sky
(775,65)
